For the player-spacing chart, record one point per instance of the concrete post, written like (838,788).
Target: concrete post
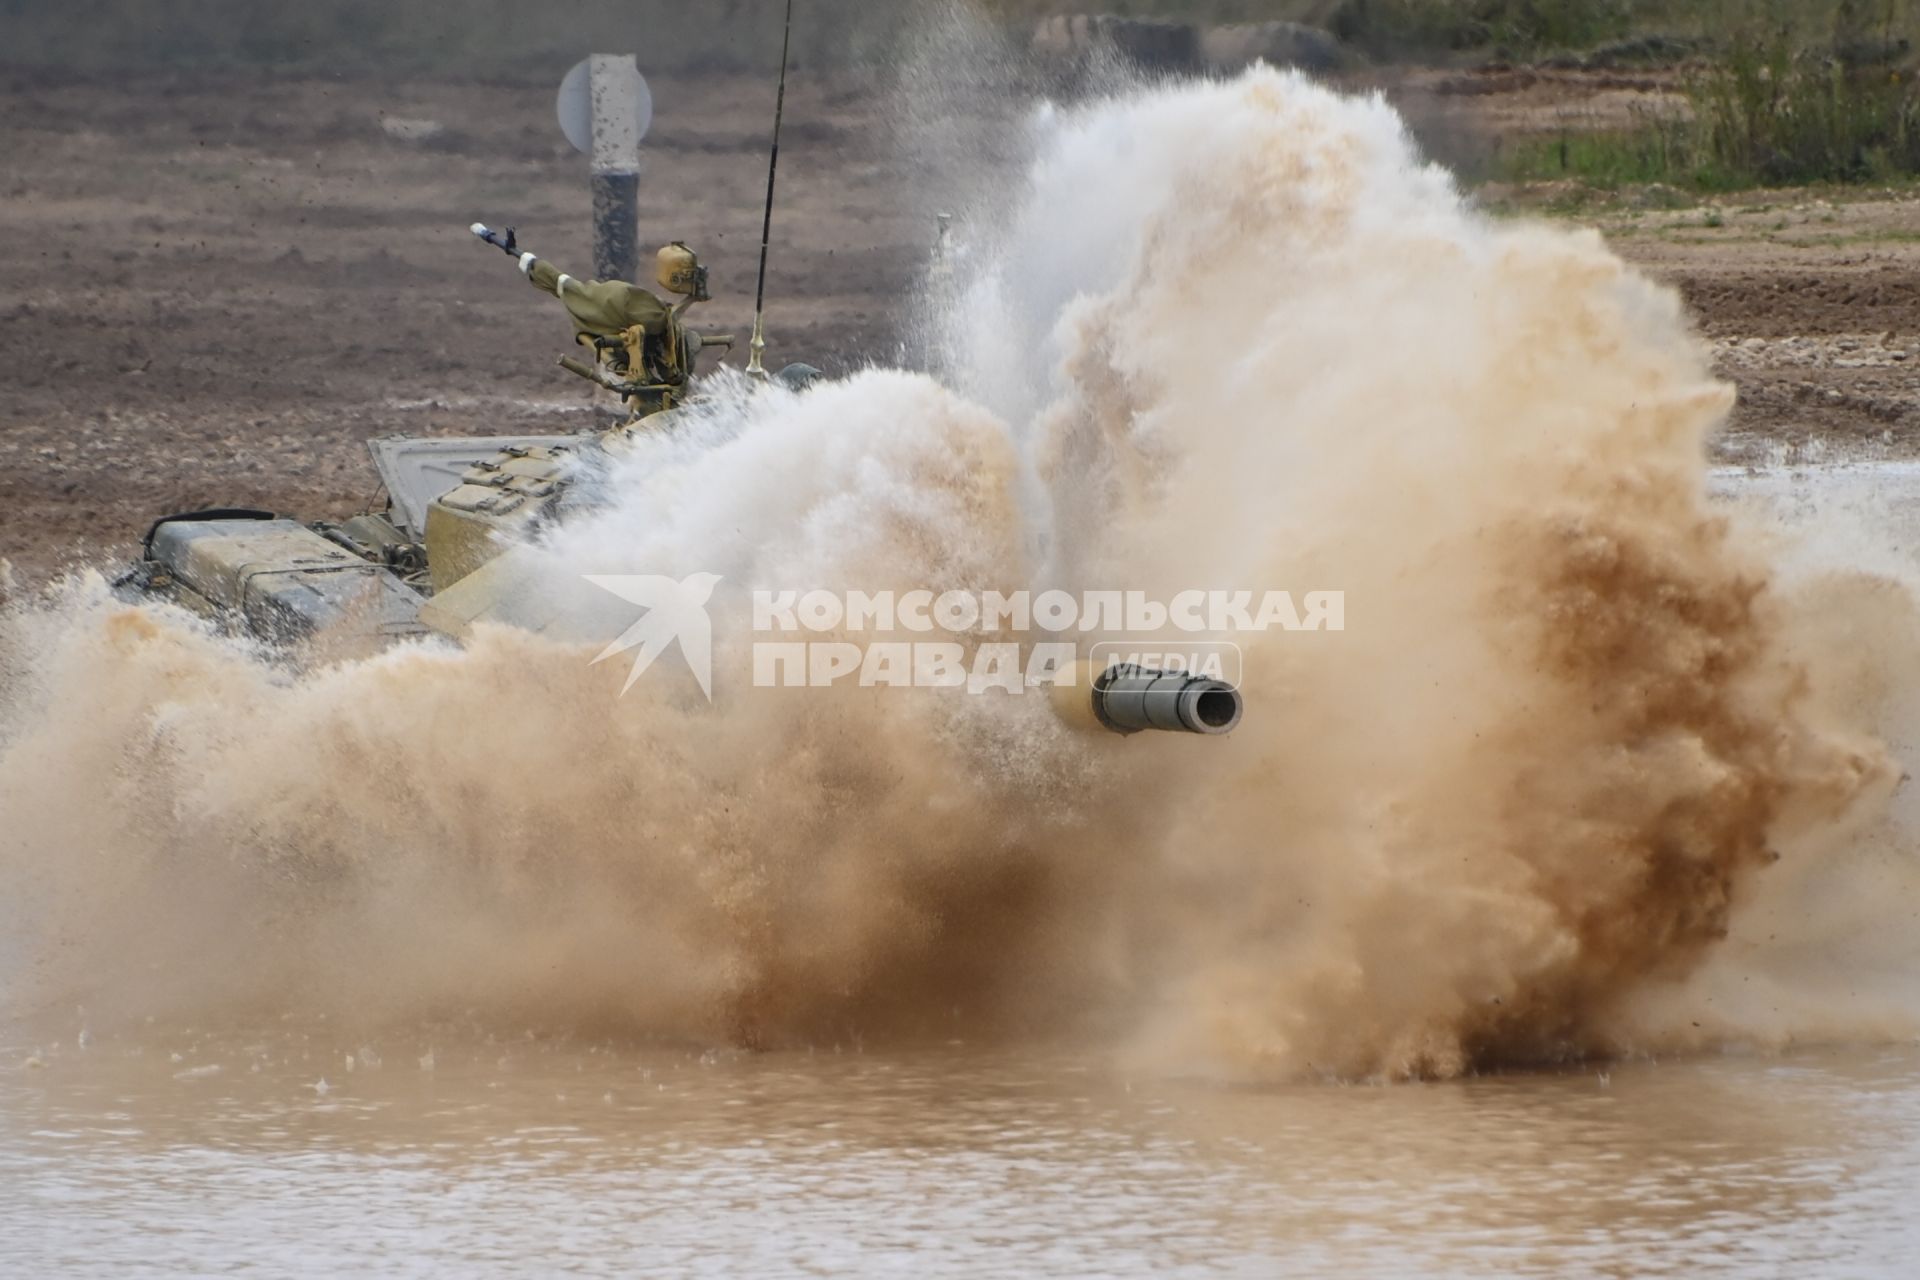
(615,91)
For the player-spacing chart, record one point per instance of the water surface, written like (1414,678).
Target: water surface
(194,1155)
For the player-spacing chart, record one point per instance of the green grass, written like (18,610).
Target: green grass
(1766,112)
(1428,30)
(1607,160)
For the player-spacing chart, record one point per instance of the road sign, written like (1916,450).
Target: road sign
(605,109)
(625,102)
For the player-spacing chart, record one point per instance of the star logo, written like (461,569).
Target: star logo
(674,611)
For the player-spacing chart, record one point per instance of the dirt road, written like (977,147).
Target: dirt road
(1813,309)
(217,288)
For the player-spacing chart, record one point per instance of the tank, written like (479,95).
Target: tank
(439,559)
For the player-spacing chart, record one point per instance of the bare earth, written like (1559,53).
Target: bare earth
(217,288)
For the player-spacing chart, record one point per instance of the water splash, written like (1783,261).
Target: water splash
(1227,334)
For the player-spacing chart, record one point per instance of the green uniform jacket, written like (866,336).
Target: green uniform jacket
(603,308)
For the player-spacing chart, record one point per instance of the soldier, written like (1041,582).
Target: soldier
(600,308)
(639,338)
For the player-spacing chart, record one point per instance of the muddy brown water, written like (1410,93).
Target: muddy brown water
(225,1154)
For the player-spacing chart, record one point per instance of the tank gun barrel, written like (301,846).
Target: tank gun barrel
(1125,699)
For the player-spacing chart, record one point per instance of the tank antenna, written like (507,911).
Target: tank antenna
(759,343)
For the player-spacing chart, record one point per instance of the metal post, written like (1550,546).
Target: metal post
(615,90)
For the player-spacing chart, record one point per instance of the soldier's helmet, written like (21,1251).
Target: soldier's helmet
(678,270)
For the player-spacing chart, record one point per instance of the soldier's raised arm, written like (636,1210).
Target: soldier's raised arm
(602,308)
(542,274)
